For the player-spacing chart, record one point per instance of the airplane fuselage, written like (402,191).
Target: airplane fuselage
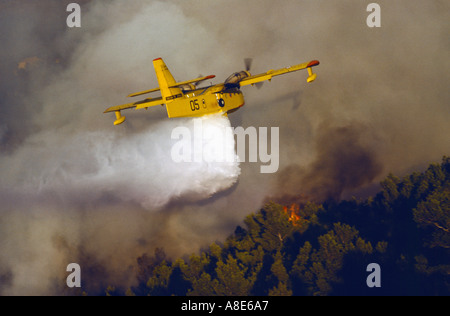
(204,101)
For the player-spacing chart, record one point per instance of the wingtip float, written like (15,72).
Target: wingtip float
(186,99)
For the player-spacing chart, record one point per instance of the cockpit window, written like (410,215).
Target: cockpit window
(236,77)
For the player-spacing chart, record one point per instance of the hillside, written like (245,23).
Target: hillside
(323,249)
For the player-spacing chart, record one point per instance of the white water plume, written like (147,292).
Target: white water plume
(136,168)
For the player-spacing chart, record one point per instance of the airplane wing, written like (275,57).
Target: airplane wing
(138,105)
(272,73)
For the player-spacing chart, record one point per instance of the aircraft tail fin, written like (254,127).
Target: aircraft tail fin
(166,81)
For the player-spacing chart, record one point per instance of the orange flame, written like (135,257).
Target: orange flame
(293,211)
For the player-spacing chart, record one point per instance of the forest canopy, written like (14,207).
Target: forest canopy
(323,249)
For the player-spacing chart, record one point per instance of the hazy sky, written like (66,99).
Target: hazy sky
(74,188)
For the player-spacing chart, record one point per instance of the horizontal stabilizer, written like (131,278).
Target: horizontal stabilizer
(172,86)
(143,92)
(192,81)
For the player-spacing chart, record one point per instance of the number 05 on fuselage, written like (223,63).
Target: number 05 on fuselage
(186,99)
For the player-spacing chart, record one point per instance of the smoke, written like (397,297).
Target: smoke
(343,162)
(69,172)
(74,188)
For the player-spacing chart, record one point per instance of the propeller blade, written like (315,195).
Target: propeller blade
(259,85)
(248,63)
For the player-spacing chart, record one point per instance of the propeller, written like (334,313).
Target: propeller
(248,65)
(235,78)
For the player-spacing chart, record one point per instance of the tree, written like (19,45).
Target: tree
(434,214)
(203,286)
(279,272)
(390,190)
(145,268)
(319,268)
(158,283)
(270,227)
(231,279)
(195,274)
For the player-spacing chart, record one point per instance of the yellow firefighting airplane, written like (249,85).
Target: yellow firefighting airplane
(185,99)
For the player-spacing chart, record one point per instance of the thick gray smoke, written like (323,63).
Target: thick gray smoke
(74,188)
(343,162)
(72,161)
